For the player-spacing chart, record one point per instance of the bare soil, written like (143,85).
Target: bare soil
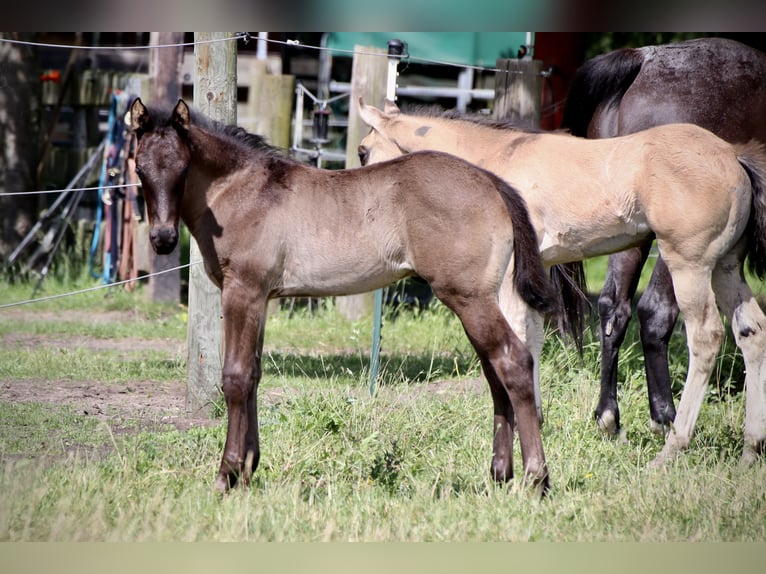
(148,403)
(140,404)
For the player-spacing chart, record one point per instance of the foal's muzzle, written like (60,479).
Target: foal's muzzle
(163,239)
(364,154)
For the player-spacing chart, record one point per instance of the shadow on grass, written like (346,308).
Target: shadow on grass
(411,368)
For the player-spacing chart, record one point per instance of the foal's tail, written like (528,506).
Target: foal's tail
(529,277)
(752,156)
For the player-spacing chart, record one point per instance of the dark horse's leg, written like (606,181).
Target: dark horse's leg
(614,308)
(244,316)
(657,314)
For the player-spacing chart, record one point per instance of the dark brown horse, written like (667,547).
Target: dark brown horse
(268,226)
(716,83)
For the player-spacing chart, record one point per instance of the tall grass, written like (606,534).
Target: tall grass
(410,463)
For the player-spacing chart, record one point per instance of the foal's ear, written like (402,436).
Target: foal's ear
(391,108)
(181,118)
(371,115)
(139,117)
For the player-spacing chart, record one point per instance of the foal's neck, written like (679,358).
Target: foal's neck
(213,159)
(458,137)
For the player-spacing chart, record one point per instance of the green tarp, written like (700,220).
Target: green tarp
(468,48)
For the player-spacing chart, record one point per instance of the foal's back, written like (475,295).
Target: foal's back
(377,224)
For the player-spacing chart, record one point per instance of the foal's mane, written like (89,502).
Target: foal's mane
(452,114)
(239,136)
(160,117)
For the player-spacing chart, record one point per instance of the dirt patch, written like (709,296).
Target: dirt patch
(141,404)
(137,405)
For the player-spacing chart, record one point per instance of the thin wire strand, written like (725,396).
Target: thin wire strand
(97,287)
(237,36)
(117,186)
(407,57)
(247,36)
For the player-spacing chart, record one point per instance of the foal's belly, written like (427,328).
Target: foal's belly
(571,246)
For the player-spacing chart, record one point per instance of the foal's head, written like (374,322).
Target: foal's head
(162,161)
(379,145)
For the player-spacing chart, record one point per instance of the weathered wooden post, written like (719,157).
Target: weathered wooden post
(368,80)
(215,95)
(270,105)
(164,66)
(518,85)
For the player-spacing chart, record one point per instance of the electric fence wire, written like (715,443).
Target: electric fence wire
(97,287)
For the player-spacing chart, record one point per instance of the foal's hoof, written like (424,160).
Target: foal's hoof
(752,452)
(541,486)
(225,481)
(221,485)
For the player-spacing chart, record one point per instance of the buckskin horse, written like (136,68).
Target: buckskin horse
(716,83)
(268,226)
(702,198)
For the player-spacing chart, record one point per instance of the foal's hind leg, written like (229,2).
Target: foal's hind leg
(748,324)
(614,309)
(657,314)
(704,334)
(528,325)
(508,367)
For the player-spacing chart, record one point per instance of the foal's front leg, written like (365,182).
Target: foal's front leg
(244,317)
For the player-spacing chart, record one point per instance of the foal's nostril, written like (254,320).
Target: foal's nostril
(165,237)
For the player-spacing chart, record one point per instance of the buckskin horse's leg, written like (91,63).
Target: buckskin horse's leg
(704,335)
(614,309)
(748,324)
(657,314)
(243,317)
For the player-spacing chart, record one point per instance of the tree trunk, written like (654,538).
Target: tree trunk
(20,105)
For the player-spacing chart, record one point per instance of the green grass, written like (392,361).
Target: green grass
(410,463)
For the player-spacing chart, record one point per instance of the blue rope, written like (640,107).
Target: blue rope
(114,141)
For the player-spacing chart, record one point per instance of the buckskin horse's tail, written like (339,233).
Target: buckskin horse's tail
(529,277)
(569,281)
(752,156)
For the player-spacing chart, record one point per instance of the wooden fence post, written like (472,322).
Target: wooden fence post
(215,95)
(368,80)
(270,105)
(518,86)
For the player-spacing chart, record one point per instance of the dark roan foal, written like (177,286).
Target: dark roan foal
(716,83)
(268,226)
